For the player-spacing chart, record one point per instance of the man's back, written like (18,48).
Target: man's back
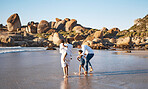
(86,49)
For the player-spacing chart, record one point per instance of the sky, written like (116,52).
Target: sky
(89,13)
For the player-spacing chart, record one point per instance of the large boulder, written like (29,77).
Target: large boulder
(43,26)
(50,38)
(70,24)
(78,37)
(136,40)
(7,40)
(51,31)
(57,20)
(78,29)
(56,37)
(52,24)
(32,29)
(104,29)
(98,34)
(13,22)
(89,38)
(126,41)
(60,25)
(114,30)
(67,19)
(38,40)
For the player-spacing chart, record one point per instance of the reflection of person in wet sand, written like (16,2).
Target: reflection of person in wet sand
(65,84)
(89,54)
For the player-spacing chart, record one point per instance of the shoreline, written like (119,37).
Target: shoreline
(139,53)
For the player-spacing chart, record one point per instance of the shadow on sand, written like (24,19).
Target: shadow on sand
(114,73)
(120,72)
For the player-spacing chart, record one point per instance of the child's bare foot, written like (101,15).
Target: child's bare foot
(85,73)
(79,73)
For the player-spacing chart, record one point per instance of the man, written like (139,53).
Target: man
(89,52)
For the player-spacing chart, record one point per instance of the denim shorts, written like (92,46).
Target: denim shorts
(82,61)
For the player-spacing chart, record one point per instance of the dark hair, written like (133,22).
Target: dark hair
(62,41)
(80,51)
(68,40)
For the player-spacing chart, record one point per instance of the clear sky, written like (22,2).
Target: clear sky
(89,13)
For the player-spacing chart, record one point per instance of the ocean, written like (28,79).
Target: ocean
(17,49)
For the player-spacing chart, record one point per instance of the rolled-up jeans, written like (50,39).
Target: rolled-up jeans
(88,57)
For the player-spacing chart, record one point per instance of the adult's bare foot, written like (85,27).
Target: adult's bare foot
(65,76)
(91,69)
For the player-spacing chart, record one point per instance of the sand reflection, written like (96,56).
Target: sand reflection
(65,84)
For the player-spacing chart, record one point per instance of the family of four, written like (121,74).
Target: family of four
(85,55)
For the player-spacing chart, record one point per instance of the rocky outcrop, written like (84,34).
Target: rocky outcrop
(78,37)
(126,41)
(57,20)
(13,22)
(56,37)
(104,29)
(60,25)
(51,31)
(116,30)
(52,24)
(43,27)
(78,29)
(70,24)
(67,19)
(137,22)
(6,40)
(98,34)
(32,29)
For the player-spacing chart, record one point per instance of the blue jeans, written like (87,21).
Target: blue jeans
(89,56)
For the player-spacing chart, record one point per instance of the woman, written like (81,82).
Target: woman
(65,58)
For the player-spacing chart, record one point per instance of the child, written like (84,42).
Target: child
(80,58)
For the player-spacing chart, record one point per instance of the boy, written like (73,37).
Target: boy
(80,58)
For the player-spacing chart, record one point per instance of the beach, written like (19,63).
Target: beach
(41,69)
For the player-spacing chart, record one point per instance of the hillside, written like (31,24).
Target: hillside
(139,29)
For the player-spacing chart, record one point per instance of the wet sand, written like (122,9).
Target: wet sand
(42,70)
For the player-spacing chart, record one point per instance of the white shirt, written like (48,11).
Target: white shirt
(62,48)
(69,49)
(86,49)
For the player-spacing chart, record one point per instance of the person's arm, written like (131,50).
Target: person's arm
(64,57)
(64,45)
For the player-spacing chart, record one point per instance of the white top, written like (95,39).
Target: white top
(62,48)
(69,49)
(86,49)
